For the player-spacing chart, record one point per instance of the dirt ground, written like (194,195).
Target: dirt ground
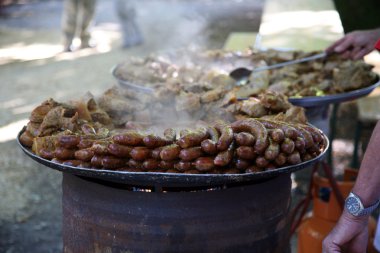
(32,69)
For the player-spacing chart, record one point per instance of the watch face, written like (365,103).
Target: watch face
(352,205)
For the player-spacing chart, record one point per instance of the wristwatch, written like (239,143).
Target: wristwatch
(355,206)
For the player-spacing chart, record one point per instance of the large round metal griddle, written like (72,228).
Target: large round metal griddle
(155,179)
(336,98)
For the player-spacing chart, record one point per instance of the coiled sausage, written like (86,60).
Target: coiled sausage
(226,136)
(244,139)
(257,129)
(193,139)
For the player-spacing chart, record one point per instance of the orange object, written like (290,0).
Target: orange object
(326,212)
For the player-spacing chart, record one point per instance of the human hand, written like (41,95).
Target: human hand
(349,235)
(355,45)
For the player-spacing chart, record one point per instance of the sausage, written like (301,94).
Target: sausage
(287,146)
(261,162)
(170,134)
(119,150)
(314,149)
(231,171)
(213,134)
(151,164)
(84,165)
(167,165)
(272,150)
(192,171)
(253,169)
(184,166)
(26,139)
(242,164)
(170,152)
(140,153)
(190,154)
(289,131)
(100,148)
(226,136)
(315,132)
(156,153)
(46,154)
(135,165)
(204,164)
(209,146)
(308,138)
(271,166)
(215,171)
(280,159)
(300,145)
(307,157)
(56,160)
(96,161)
(245,152)
(84,154)
(85,143)
(294,158)
(68,141)
(128,169)
(225,157)
(277,135)
(129,138)
(74,163)
(172,171)
(257,129)
(193,138)
(64,153)
(154,141)
(244,139)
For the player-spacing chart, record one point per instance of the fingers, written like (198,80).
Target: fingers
(353,46)
(361,53)
(345,44)
(331,49)
(348,234)
(360,243)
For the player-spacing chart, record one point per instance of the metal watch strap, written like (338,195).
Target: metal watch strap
(366,210)
(370,209)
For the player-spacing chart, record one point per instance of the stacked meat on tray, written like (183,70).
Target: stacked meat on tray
(59,132)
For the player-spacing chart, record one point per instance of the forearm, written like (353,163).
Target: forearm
(367,185)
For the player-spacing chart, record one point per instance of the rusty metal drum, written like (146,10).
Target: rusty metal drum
(108,217)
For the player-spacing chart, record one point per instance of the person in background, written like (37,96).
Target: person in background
(77,17)
(350,234)
(130,30)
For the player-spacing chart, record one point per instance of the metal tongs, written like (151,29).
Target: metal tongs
(241,75)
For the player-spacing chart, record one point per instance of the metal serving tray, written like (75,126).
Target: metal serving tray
(336,98)
(130,85)
(164,179)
